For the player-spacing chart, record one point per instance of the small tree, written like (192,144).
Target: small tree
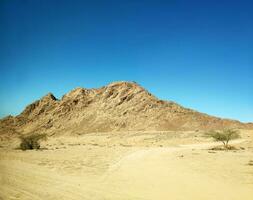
(224,136)
(31,141)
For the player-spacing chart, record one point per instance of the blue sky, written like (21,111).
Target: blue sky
(197,53)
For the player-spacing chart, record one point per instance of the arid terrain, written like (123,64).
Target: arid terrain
(119,106)
(128,165)
(119,142)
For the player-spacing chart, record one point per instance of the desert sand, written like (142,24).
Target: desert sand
(128,166)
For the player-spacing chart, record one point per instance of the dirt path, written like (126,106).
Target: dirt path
(185,172)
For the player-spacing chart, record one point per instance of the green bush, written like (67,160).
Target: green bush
(31,141)
(224,136)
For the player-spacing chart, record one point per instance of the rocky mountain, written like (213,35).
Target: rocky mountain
(119,106)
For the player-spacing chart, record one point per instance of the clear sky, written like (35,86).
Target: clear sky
(197,53)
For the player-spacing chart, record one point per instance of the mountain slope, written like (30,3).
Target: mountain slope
(115,107)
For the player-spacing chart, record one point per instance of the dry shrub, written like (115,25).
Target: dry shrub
(31,141)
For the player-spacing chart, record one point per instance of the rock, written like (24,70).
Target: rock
(119,106)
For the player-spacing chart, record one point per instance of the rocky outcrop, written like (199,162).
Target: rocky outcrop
(115,107)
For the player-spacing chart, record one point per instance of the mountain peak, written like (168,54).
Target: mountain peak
(73,94)
(49,97)
(120,105)
(40,106)
(123,83)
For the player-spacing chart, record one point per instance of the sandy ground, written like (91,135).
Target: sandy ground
(128,166)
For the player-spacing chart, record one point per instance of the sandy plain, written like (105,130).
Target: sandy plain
(128,166)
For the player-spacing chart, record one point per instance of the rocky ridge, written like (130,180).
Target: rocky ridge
(119,106)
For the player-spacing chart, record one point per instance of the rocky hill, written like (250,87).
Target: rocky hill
(119,106)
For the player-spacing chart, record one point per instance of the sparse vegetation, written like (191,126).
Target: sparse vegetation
(222,148)
(224,136)
(31,141)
